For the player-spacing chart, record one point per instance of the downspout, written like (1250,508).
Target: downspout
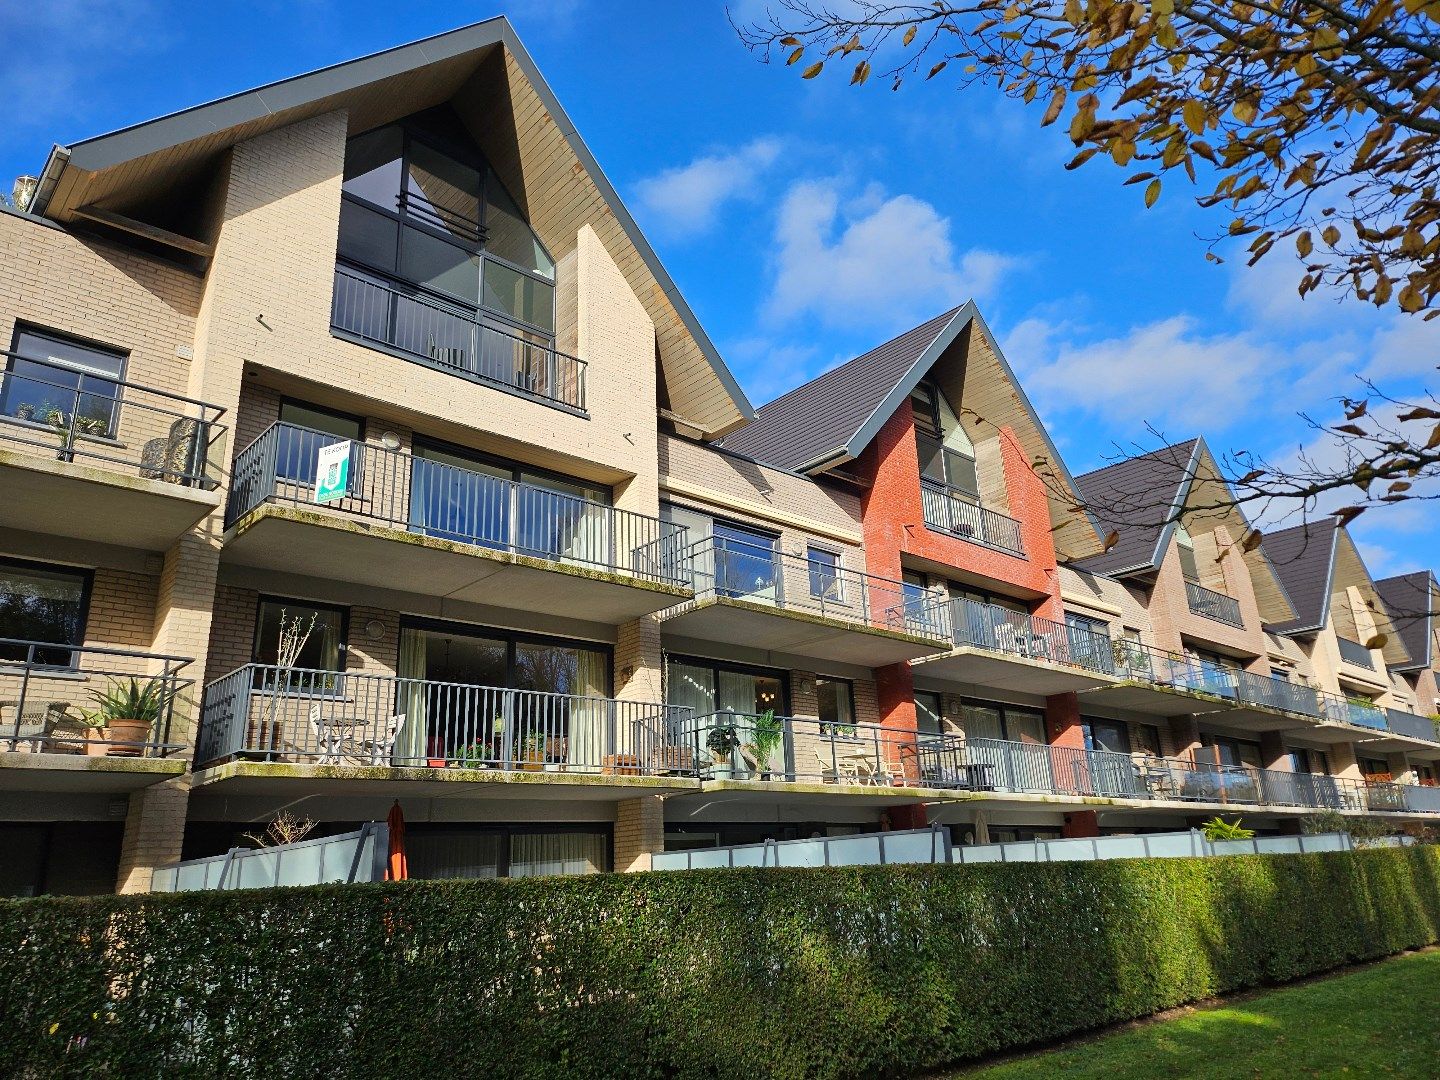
(49,177)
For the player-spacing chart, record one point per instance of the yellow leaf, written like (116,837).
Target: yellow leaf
(862,72)
(1052,111)
(788,41)
(1245,111)
(1303,245)
(936,69)
(1152,192)
(812,70)
(1434,438)
(909,34)
(794,56)
(1377,642)
(1194,115)
(1331,235)
(1162,7)
(1111,539)
(54,1028)
(1074,13)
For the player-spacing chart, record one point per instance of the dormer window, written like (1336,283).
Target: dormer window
(437,261)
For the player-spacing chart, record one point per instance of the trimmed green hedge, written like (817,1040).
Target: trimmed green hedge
(838,972)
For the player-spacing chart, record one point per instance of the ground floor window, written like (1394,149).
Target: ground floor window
(1010,834)
(61,858)
(465,851)
(692,837)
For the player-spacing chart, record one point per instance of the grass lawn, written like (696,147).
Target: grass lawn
(1378,1021)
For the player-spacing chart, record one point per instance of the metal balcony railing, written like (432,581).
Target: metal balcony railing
(268,713)
(113,423)
(1343,710)
(46,699)
(737,569)
(765,747)
(457,340)
(988,626)
(459,505)
(1353,652)
(1416,727)
(955,515)
(1213,605)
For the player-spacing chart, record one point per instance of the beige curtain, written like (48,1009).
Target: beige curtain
(410,744)
(541,854)
(589,714)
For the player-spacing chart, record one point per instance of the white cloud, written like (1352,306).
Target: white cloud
(875,260)
(686,200)
(1166,373)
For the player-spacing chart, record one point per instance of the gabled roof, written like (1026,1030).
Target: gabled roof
(1411,602)
(817,423)
(1304,557)
(833,418)
(1139,499)
(156,155)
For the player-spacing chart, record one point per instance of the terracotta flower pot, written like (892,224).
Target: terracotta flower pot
(126,736)
(96,742)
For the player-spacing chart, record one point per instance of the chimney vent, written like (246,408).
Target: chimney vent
(23,191)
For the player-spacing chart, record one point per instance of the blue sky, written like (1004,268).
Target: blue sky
(807,221)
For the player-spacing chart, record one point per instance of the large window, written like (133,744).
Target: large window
(744,561)
(947,456)
(835,705)
(422,207)
(62,383)
(42,603)
(928,714)
(298,451)
(313,634)
(709,686)
(993,720)
(479,851)
(466,496)
(824,574)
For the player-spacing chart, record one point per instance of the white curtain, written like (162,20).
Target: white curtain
(541,854)
(586,747)
(410,744)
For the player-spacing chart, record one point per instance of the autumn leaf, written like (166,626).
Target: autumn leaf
(1377,642)
(1111,539)
(1052,111)
(1347,514)
(1152,192)
(909,34)
(813,70)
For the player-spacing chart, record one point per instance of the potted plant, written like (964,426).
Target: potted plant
(532,752)
(722,743)
(127,712)
(474,756)
(766,737)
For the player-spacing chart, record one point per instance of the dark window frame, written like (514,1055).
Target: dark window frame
(716,666)
(1004,708)
(817,570)
(36,330)
(87,589)
(837,730)
(343,609)
(411,131)
(513,639)
(517,468)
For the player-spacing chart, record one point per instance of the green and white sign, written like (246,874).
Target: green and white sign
(332,472)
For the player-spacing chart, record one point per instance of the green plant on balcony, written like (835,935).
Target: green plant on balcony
(532,751)
(1217,828)
(767,735)
(474,756)
(722,742)
(127,711)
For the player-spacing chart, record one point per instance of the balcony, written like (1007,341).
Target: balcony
(1009,650)
(1352,652)
(1213,605)
(265,727)
(954,515)
(780,602)
(866,761)
(1006,767)
(141,462)
(448,337)
(49,743)
(401,522)
(1165,683)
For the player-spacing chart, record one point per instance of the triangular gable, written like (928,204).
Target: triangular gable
(1351,572)
(1412,602)
(542,154)
(832,419)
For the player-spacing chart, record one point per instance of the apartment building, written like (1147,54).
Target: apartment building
(351,425)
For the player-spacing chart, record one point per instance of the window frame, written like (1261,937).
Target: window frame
(513,639)
(344,636)
(837,730)
(1004,708)
(35,330)
(836,595)
(87,589)
(715,666)
(406,219)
